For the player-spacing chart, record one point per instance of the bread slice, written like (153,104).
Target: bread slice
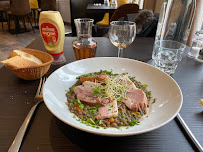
(25,56)
(18,62)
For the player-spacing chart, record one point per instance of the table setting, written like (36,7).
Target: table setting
(37,114)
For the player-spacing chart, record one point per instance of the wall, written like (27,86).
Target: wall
(4,4)
(63,6)
(154,5)
(149,4)
(158,6)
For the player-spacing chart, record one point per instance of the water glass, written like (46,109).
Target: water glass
(167,54)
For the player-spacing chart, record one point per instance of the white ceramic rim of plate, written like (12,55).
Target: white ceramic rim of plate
(122,133)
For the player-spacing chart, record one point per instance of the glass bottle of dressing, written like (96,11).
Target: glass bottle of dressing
(53,33)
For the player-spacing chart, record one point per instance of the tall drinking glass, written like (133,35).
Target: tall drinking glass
(122,34)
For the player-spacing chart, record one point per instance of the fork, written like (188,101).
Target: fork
(21,132)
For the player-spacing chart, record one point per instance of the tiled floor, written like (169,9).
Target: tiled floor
(9,42)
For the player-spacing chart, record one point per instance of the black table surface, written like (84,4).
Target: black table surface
(91,8)
(47,133)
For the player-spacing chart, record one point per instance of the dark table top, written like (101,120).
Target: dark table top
(91,8)
(47,133)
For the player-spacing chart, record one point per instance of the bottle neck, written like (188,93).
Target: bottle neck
(82,36)
(85,32)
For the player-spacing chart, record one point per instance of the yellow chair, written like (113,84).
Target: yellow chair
(34,4)
(105,20)
(34,7)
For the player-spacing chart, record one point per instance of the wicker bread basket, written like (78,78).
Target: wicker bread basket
(35,72)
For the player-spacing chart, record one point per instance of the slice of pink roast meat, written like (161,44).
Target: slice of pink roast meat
(85,92)
(108,111)
(135,99)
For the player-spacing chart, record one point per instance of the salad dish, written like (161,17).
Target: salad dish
(112,96)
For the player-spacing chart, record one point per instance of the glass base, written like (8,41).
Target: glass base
(58,59)
(168,68)
(192,55)
(168,71)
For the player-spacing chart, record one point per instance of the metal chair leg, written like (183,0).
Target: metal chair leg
(6,17)
(9,23)
(34,15)
(16,19)
(30,23)
(2,20)
(22,19)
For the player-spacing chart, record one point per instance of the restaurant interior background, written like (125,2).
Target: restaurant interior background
(9,42)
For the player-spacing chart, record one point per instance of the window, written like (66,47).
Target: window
(139,2)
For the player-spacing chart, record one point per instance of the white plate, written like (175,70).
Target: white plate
(163,87)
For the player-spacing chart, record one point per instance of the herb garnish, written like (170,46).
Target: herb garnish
(94,109)
(144,86)
(76,101)
(134,122)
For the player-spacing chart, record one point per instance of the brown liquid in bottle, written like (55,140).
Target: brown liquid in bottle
(82,53)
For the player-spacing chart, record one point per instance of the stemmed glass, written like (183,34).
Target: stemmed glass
(122,34)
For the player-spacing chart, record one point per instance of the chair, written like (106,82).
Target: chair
(19,9)
(105,20)
(123,10)
(46,5)
(146,25)
(2,15)
(3,9)
(34,8)
(34,4)
(42,5)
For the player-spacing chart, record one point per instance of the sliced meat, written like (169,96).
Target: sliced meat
(102,77)
(89,84)
(99,78)
(136,100)
(108,111)
(83,79)
(125,80)
(85,92)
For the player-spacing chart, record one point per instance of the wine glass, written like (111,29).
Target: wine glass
(122,34)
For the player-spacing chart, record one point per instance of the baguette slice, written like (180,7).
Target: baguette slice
(18,62)
(25,56)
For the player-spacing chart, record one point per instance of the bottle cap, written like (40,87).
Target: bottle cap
(59,58)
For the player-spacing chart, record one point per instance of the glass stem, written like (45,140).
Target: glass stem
(120,52)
